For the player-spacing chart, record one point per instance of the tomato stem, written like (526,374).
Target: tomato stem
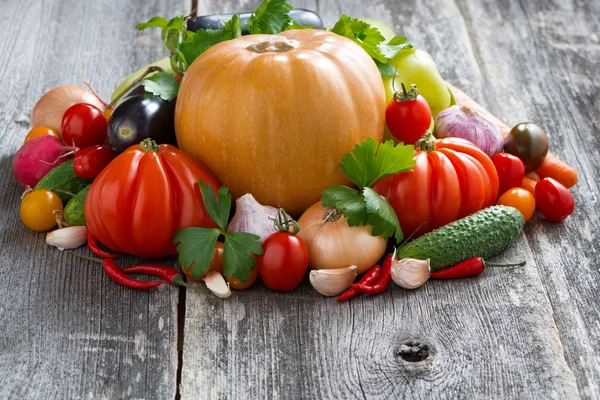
(283,222)
(406,95)
(426,142)
(149,145)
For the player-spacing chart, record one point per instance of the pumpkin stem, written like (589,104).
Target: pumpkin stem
(426,142)
(275,44)
(149,145)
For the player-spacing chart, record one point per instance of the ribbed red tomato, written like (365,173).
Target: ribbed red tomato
(450,182)
(143,196)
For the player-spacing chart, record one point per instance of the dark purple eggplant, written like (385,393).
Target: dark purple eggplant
(140,115)
(216,21)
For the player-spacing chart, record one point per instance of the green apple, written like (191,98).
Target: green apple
(164,63)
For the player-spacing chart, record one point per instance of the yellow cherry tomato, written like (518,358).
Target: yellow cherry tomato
(519,198)
(38,210)
(41,131)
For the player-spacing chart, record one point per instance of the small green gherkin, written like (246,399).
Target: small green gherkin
(73,211)
(483,234)
(62,180)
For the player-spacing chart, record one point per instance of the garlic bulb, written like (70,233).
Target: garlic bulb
(216,283)
(67,238)
(410,273)
(466,123)
(251,216)
(331,282)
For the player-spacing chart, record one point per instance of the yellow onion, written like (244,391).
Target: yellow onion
(333,244)
(49,110)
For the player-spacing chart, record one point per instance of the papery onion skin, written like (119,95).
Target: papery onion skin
(466,123)
(49,109)
(334,244)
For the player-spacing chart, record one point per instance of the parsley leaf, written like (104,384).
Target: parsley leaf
(218,209)
(162,85)
(347,200)
(271,16)
(233,28)
(371,40)
(155,22)
(202,41)
(196,245)
(382,215)
(295,25)
(367,164)
(195,248)
(236,254)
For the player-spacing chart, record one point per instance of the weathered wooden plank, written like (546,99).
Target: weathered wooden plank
(67,331)
(544,67)
(489,337)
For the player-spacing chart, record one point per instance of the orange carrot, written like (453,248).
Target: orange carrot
(529,185)
(533,176)
(554,167)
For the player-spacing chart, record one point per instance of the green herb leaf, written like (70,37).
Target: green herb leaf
(195,248)
(365,35)
(237,259)
(218,209)
(347,200)
(202,41)
(394,46)
(386,70)
(161,84)
(381,215)
(233,28)
(295,25)
(271,16)
(367,164)
(155,22)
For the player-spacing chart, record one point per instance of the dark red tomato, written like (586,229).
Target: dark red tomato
(285,261)
(89,162)
(83,125)
(511,171)
(554,200)
(408,116)
(529,142)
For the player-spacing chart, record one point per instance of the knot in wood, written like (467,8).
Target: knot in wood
(414,351)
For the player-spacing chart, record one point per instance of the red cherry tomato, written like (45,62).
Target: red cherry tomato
(285,261)
(511,171)
(554,200)
(408,115)
(83,125)
(89,162)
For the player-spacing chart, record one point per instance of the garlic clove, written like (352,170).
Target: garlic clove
(70,237)
(410,273)
(331,282)
(216,283)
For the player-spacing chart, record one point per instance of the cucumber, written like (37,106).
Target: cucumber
(73,212)
(483,234)
(62,179)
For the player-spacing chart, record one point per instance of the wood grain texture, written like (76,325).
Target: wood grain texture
(66,330)
(490,337)
(550,51)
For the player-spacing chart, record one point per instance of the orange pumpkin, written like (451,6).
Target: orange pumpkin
(273,115)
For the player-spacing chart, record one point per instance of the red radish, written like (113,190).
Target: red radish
(37,157)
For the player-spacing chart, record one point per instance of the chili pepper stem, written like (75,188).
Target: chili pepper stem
(178,280)
(99,260)
(520,264)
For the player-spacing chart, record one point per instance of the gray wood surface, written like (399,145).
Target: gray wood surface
(66,331)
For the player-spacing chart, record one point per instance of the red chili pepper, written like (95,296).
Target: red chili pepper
(370,277)
(471,267)
(93,245)
(167,273)
(384,279)
(112,270)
